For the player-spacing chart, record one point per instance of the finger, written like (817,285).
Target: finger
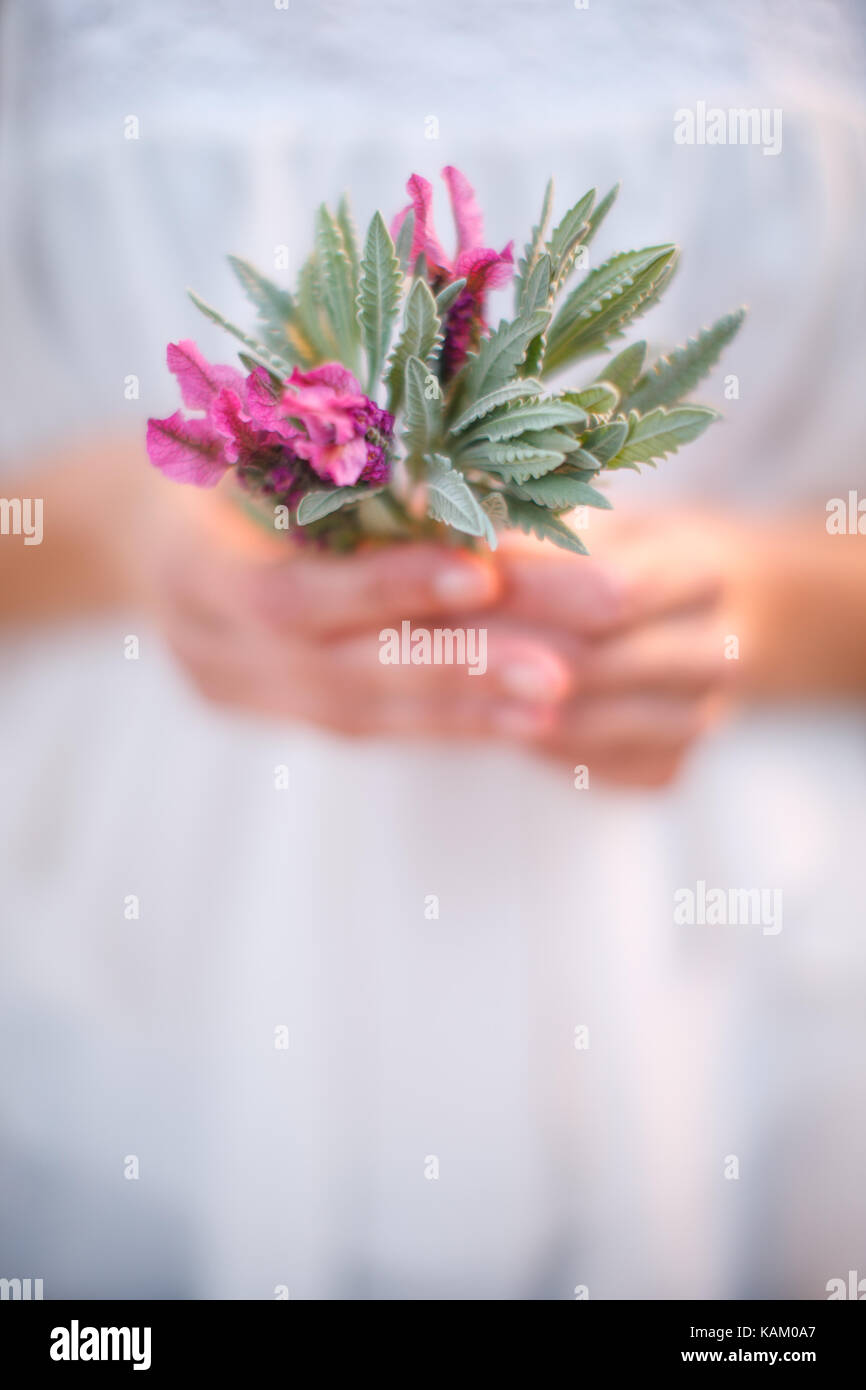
(681,655)
(326,595)
(570,591)
(474,663)
(624,723)
(593,597)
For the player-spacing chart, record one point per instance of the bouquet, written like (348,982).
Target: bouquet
(375,403)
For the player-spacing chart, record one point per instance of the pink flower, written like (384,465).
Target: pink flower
(189,451)
(279,439)
(483,268)
(325,417)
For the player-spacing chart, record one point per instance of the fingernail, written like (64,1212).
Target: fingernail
(520,721)
(529,680)
(462,584)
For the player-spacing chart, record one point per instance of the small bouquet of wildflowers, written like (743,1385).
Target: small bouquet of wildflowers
(376,403)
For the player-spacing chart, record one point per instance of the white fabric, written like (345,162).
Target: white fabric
(408,1037)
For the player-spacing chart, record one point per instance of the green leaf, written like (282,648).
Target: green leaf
(445,298)
(537,292)
(311,308)
(678,373)
(337,288)
(501,354)
(532,250)
(623,370)
(420,338)
(653,436)
(423,410)
(538,521)
(532,415)
(261,354)
(276,309)
(567,239)
(403,245)
(526,387)
(324,501)
(598,399)
(538,296)
(599,213)
(560,491)
(604,301)
(346,223)
(513,460)
(605,441)
(378,297)
(450,499)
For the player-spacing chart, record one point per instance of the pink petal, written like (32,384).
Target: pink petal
(484,268)
(424,236)
(464,205)
(261,403)
(342,464)
(328,374)
(199,382)
(189,451)
(230,421)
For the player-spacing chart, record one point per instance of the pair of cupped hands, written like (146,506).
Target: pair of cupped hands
(613,662)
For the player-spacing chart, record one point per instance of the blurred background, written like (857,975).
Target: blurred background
(152,1037)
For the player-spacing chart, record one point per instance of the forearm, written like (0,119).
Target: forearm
(797,604)
(95,506)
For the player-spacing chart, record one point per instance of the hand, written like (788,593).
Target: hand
(638,625)
(296,634)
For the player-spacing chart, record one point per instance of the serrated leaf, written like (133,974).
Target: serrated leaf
(501,354)
(516,461)
(559,491)
(598,399)
(261,354)
(676,374)
(337,288)
(311,308)
(567,238)
(599,213)
(605,300)
(420,337)
(605,441)
(539,521)
(539,295)
(450,498)
(346,223)
(423,410)
(326,500)
(525,387)
(445,298)
(378,297)
(532,250)
(403,244)
(510,421)
(623,370)
(276,309)
(653,436)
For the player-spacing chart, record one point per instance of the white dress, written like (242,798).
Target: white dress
(416,1045)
